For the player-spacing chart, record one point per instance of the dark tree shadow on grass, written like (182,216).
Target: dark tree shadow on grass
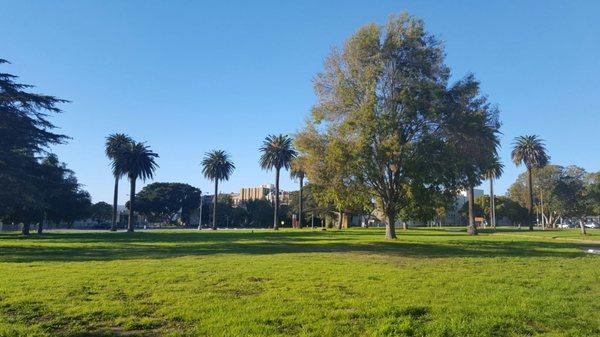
(106,246)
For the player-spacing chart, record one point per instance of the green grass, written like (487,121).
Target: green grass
(429,282)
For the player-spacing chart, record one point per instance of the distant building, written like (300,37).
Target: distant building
(262,192)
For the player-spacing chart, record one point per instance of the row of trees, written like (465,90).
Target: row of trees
(135,160)
(35,186)
(277,153)
(390,132)
(556,192)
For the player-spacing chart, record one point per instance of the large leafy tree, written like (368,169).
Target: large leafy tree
(25,133)
(115,144)
(162,201)
(63,199)
(277,153)
(531,151)
(101,212)
(137,161)
(571,191)
(259,212)
(505,207)
(385,97)
(592,192)
(552,200)
(217,166)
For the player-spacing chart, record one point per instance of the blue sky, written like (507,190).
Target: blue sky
(190,76)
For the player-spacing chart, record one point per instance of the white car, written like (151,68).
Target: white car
(591,225)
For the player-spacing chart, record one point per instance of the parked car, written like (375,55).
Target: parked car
(592,224)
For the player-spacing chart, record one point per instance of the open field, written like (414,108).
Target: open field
(429,282)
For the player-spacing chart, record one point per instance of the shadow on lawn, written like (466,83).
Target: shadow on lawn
(104,246)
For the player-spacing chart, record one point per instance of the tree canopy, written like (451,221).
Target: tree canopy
(35,185)
(163,201)
(387,120)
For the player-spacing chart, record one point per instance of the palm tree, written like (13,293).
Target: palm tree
(298,171)
(115,144)
(277,152)
(531,151)
(136,161)
(217,166)
(493,171)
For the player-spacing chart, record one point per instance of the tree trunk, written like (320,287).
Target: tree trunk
(582,225)
(214,225)
(276,209)
(543,216)
(300,204)
(404,225)
(530,204)
(340,219)
(390,226)
(200,214)
(40,228)
(472,228)
(492,204)
(113,226)
(25,229)
(131,223)
(312,221)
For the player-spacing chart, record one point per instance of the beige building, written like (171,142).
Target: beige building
(262,192)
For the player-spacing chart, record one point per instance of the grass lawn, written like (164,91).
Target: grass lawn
(429,282)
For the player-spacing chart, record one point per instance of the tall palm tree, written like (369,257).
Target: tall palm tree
(136,161)
(298,171)
(277,153)
(493,171)
(531,151)
(217,166)
(115,144)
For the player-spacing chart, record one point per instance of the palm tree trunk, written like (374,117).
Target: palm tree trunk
(300,204)
(113,227)
(530,204)
(214,226)
(492,204)
(472,229)
(276,210)
(131,223)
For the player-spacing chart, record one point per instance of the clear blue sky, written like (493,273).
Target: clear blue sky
(188,76)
